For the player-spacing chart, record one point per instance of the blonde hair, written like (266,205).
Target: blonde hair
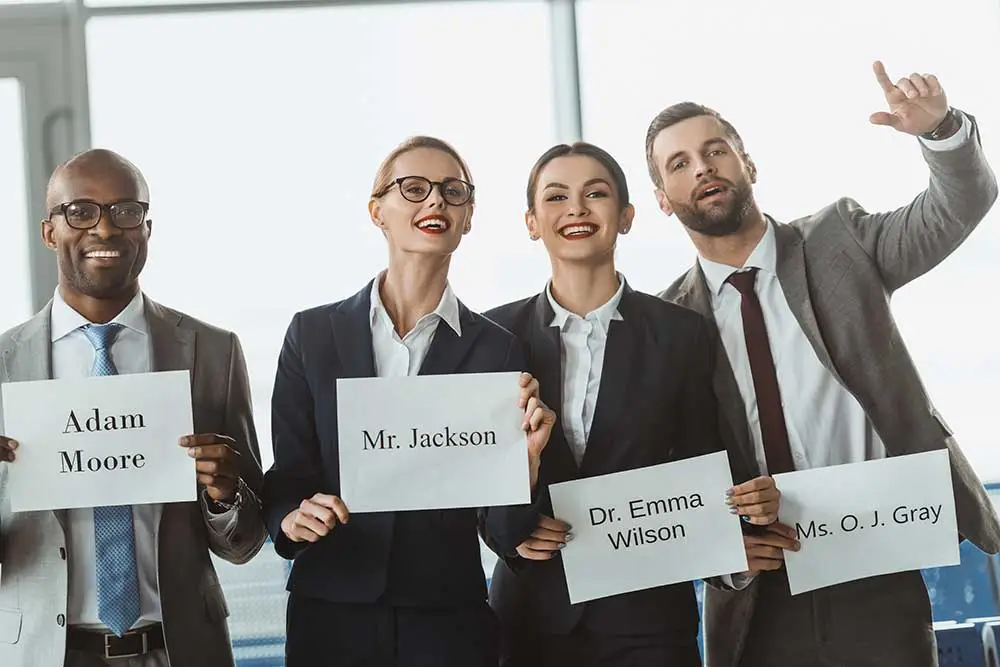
(383,177)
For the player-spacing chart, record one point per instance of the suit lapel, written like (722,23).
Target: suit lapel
(448,349)
(173,346)
(545,360)
(30,357)
(352,335)
(790,266)
(619,358)
(694,294)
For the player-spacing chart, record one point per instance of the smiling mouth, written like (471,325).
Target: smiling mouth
(578,231)
(103,254)
(433,225)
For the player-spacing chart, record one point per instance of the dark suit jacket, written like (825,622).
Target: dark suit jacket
(655,405)
(405,558)
(838,269)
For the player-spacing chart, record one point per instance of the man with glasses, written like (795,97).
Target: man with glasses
(129,586)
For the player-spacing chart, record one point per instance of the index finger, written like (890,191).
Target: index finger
(553,524)
(782,529)
(525,379)
(213,452)
(755,484)
(883,79)
(334,503)
(772,540)
(200,439)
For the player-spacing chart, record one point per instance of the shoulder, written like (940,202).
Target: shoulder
(663,315)
(677,288)
(835,217)
(515,316)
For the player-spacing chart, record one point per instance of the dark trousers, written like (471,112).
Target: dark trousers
(327,634)
(584,647)
(878,622)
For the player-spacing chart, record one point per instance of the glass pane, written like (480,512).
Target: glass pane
(260,140)
(15,297)
(796,80)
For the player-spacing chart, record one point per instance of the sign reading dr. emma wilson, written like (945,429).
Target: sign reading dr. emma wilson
(431,442)
(98,441)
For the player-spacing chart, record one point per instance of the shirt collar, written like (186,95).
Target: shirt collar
(447,308)
(763,257)
(65,320)
(603,314)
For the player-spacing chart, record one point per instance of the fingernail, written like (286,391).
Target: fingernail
(569,537)
(730,501)
(798,545)
(745,518)
(562,545)
(730,492)
(734,510)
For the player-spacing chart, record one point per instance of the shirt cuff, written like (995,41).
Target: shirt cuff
(222,522)
(955,140)
(738,581)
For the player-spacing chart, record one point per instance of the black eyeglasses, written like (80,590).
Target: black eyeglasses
(85,214)
(417,189)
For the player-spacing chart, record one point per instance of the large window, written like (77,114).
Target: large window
(15,297)
(261,136)
(795,78)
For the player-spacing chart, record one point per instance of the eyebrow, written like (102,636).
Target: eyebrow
(706,144)
(587,184)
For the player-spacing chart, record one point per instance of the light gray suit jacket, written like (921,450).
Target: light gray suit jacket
(838,269)
(33,579)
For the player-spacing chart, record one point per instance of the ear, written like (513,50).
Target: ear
(625,219)
(532,225)
(661,199)
(751,167)
(468,219)
(375,211)
(48,234)
(149,228)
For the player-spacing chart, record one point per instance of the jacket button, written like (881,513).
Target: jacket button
(61,620)
(62,553)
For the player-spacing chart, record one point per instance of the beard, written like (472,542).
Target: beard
(107,283)
(718,218)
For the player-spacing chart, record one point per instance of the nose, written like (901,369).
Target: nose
(577,206)
(703,169)
(436,198)
(105,229)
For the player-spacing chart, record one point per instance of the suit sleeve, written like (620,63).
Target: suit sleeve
(908,242)
(503,528)
(237,535)
(295,474)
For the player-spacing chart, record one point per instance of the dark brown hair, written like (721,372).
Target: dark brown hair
(384,174)
(673,115)
(579,148)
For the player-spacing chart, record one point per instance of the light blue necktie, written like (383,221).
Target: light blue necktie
(114,535)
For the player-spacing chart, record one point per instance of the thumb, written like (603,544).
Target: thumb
(885,118)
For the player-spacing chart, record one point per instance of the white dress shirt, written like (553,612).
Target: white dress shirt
(401,357)
(826,424)
(73,357)
(583,341)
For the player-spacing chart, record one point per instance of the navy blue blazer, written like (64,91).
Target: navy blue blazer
(655,405)
(420,558)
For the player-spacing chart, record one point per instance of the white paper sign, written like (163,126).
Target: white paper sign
(648,527)
(860,520)
(431,442)
(97,441)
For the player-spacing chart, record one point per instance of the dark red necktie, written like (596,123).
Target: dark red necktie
(765,380)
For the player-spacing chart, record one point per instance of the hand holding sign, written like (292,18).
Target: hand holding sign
(314,518)
(7,447)
(765,550)
(217,463)
(549,536)
(538,423)
(756,501)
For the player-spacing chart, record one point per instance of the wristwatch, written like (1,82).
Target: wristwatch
(223,506)
(948,126)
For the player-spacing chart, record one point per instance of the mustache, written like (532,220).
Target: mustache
(702,183)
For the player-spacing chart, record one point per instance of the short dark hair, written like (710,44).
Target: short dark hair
(579,148)
(675,114)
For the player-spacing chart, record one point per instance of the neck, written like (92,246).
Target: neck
(582,288)
(413,287)
(97,311)
(733,249)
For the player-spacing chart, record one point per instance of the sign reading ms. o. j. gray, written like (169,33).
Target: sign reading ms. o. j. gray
(98,441)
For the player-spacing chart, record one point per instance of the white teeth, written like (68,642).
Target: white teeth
(574,230)
(432,224)
(104,253)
